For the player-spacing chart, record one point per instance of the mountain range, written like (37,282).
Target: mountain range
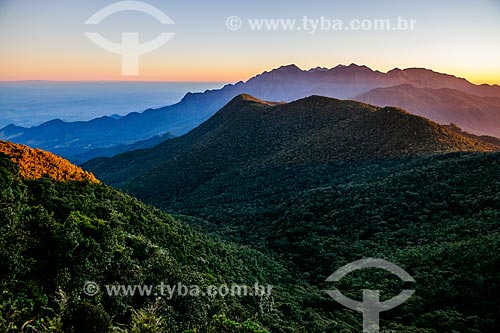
(249,132)
(442,98)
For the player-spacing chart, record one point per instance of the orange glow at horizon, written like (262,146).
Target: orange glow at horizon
(95,65)
(108,68)
(99,70)
(46,40)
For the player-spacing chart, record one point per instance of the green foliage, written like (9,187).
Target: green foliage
(251,133)
(86,317)
(149,320)
(222,324)
(438,217)
(56,236)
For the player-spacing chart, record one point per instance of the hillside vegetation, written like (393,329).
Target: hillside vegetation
(36,163)
(55,236)
(280,194)
(251,133)
(319,183)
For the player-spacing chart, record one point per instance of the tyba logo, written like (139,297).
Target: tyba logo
(129,49)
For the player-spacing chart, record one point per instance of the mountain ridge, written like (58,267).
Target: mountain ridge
(284,84)
(477,115)
(248,132)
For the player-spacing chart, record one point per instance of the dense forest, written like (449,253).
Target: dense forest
(55,236)
(249,132)
(319,183)
(242,200)
(438,217)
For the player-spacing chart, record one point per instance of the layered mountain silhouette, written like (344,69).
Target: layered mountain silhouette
(474,114)
(249,132)
(480,115)
(36,163)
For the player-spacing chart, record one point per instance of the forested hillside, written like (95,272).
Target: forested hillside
(55,236)
(249,132)
(319,183)
(36,163)
(438,217)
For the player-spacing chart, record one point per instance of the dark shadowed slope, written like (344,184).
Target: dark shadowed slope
(249,132)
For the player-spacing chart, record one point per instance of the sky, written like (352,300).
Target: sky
(45,40)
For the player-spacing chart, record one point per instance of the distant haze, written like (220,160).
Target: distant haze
(30,103)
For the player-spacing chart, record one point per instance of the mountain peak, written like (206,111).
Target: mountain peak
(56,121)
(352,70)
(397,73)
(316,99)
(318,69)
(289,68)
(278,74)
(244,102)
(11,127)
(425,73)
(246,98)
(353,65)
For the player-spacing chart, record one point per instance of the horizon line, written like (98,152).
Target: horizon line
(132,80)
